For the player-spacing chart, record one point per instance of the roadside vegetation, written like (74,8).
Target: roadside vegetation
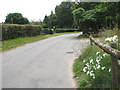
(12,43)
(102,21)
(93,68)
(14,35)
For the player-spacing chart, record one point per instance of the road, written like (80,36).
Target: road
(42,64)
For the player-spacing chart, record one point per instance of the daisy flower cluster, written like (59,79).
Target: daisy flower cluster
(112,39)
(94,64)
(115,40)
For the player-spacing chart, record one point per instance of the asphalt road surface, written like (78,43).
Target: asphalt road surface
(42,64)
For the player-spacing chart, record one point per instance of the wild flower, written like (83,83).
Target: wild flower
(98,66)
(112,39)
(91,71)
(108,39)
(92,74)
(105,54)
(88,72)
(98,60)
(109,70)
(103,68)
(87,64)
(97,53)
(93,77)
(84,61)
(94,67)
(84,69)
(91,60)
(94,64)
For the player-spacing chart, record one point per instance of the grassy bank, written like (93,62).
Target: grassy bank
(6,45)
(93,68)
(91,73)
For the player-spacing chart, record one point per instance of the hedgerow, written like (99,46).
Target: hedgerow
(12,31)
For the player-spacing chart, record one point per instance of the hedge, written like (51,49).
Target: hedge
(12,31)
(58,30)
(47,31)
(66,30)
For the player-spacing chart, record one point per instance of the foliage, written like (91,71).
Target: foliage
(50,21)
(8,44)
(96,16)
(82,36)
(63,16)
(63,30)
(93,69)
(58,30)
(37,23)
(47,31)
(12,31)
(16,18)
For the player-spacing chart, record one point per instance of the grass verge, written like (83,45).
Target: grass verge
(93,69)
(6,45)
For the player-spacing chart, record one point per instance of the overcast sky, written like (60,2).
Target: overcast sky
(31,9)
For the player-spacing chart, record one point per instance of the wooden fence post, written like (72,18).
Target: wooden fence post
(114,68)
(118,39)
(119,59)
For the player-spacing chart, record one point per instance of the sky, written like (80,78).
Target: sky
(31,9)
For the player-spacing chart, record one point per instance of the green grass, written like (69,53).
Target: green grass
(82,36)
(6,45)
(102,77)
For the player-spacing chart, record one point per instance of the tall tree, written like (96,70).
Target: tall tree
(50,21)
(16,18)
(98,15)
(64,14)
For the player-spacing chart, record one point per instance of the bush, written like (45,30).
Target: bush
(47,31)
(93,69)
(12,31)
(62,30)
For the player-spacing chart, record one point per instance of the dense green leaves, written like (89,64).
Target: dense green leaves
(90,17)
(63,16)
(50,21)
(12,31)
(16,18)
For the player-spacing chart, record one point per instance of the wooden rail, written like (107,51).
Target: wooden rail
(115,55)
(107,49)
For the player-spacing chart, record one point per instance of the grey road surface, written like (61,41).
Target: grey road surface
(42,64)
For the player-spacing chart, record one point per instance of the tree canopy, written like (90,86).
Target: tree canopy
(63,16)
(98,15)
(88,16)
(16,18)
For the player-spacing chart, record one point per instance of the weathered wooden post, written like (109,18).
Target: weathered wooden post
(119,50)
(114,68)
(118,39)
